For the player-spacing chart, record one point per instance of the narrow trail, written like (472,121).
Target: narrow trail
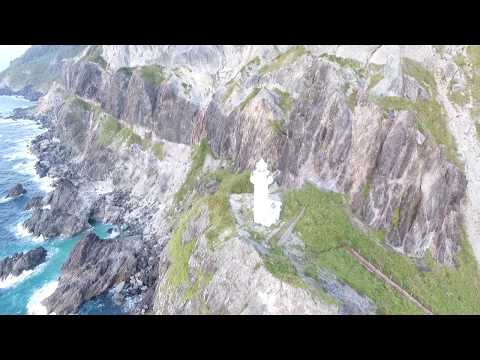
(462,128)
(369,267)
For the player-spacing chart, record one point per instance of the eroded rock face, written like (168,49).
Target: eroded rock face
(300,116)
(16,264)
(35,202)
(235,261)
(94,266)
(67,215)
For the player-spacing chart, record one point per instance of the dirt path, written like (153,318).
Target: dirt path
(463,130)
(367,265)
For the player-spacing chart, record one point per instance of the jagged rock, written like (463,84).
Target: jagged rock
(68,213)
(393,83)
(34,202)
(16,191)
(94,266)
(23,113)
(19,262)
(27,92)
(317,137)
(256,290)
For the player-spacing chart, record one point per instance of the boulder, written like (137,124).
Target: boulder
(16,191)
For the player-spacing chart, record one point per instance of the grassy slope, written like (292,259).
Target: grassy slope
(469,64)
(287,57)
(221,220)
(112,133)
(431,121)
(326,225)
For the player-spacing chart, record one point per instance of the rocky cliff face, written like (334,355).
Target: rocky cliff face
(368,122)
(312,116)
(32,74)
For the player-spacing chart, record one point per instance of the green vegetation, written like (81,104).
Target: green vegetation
(179,253)
(198,158)
(366,188)
(396,217)
(421,75)
(325,227)
(277,127)
(279,266)
(94,54)
(129,137)
(109,128)
(470,67)
(221,221)
(254,62)
(202,279)
(256,236)
(285,58)
(285,101)
(457,97)
(375,75)
(355,65)
(352,99)
(153,74)
(473,53)
(374,80)
(220,215)
(229,91)
(78,102)
(439,49)
(158,151)
(250,96)
(430,121)
(111,132)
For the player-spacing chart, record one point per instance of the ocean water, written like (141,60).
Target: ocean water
(23,294)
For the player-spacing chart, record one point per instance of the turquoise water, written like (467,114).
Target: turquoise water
(17,166)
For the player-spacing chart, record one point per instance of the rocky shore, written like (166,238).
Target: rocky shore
(28,92)
(362,122)
(125,267)
(16,264)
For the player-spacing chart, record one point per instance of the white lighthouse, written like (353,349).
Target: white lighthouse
(266,211)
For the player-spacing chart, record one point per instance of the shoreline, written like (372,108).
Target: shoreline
(54,161)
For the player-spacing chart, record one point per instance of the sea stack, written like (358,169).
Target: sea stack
(16,191)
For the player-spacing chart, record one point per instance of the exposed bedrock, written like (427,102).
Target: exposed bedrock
(94,266)
(19,262)
(67,215)
(311,117)
(16,191)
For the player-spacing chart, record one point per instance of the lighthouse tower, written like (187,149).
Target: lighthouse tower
(265,210)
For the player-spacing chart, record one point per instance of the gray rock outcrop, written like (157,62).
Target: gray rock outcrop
(19,262)
(94,266)
(16,191)
(306,110)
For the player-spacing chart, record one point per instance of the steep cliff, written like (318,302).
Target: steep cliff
(371,124)
(32,74)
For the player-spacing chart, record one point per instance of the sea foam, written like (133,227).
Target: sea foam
(12,280)
(5,199)
(35,306)
(21,231)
